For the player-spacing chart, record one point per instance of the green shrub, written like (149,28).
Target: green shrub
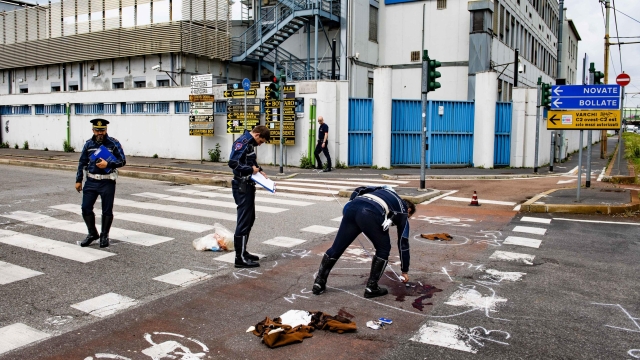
(155,156)
(46,149)
(4,145)
(16,146)
(341,165)
(305,162)
(67,147)
(25,145)
(214,154)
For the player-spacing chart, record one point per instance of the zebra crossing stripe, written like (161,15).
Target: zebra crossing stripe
(10,273)
(230,205)
(511,256)
(284,241)
(52,247)
(176,209)
(319,229)
(530,230)
(311,190)
(381,181)
(268,194)
(522,241)
(183,277)
(535,220)
(130,236)
(302,183)
(145,219)
(355,183)
(18,335)
(105,305)
(264,199)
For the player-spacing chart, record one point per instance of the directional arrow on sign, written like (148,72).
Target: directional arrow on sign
(557,103)
(557,91)
(553,119)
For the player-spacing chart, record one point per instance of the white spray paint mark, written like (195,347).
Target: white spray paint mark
(634,353)
(634,320)
(170,348)
(418,238)
(443,334)
(444,220)
(511,256)
(467,297)
(59,320)
(500,276)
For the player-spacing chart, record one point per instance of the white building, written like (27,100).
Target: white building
(569,60)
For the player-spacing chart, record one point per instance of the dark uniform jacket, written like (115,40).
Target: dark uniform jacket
(243,155)
(114,147)
(399,215)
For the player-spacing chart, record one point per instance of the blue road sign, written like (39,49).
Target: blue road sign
(585,97)
(246,84)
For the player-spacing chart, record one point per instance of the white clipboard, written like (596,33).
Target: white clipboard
(268,184)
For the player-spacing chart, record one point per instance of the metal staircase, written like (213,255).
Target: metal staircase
(259,41)
(295,68)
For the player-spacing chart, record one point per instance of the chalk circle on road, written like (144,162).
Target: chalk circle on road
(456,241)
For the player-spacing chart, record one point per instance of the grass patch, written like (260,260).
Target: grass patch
(632,149)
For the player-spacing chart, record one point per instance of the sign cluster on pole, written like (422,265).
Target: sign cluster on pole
(272,117)
(201,103)
(242,113)
(584,107)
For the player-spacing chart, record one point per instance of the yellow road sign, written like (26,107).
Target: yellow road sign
(239,93)
(201,132)
(584,119)
(201,98)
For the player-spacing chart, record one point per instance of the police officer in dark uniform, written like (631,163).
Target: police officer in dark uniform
(101,180)
(322,146)
(370,210)
(243,162)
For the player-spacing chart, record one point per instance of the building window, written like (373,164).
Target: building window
(73,87)
(415,56)
(478,21)
(118,85)
(373,23)
(24,90)
(139,84)
(163,83)
(442,4)
(370,88)
(55,88)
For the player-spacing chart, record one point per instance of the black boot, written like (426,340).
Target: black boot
(377,269)
(104,234)
(328,166)
(320,283)
(249,256)
(90,221)
(240,243)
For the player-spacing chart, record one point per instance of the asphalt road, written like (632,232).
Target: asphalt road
(568,290)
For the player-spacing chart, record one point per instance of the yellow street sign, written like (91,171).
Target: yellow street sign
(239,93)
(584,119)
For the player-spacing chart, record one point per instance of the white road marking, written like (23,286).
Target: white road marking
(105,305)
(601,174)
(225,204)
(364,182)
(381,181)
(145,219)
(176,209)
(339,218)
(130,236)
(566,181)
(521,241)
(483,201)
(438,197)
(530,230)
(517,208)
(284,241)
(474,299)
(312,190)
(573,171)
(17,335)
(443,334)
(265,199)
(277,194)
(53,247)
(10,273)
(183,277)
(536,220)
(231,257)
(504,275)
(511,256)
(319,229)
(598,222)
(313,185)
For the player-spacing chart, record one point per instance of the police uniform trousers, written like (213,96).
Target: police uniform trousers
(361,215)
(106,189)
(246,206)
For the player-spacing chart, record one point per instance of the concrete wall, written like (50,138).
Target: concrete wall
(484,125)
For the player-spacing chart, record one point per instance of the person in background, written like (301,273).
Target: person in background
(322,146)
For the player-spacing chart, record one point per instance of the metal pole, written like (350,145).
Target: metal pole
(333,59)
(315,46)
(559,67)
(423,132)
(535,159)
(589,140)
(551,158)
(603,143)
(515,68)
(245,110)
(68,125)
(308,72)
(282,85)
(620,131)
(201,146)
(580,166)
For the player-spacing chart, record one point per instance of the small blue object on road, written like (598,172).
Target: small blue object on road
(385,320)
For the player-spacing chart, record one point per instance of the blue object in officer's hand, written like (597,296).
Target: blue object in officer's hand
(103,153)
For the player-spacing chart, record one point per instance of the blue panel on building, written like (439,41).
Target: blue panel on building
(391,2)
(502,144)
(360,132)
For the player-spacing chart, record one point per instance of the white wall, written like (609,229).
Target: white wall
(407,84)
(484,124)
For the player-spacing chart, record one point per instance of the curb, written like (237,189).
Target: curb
(431,193)
(529,206)
(467,177)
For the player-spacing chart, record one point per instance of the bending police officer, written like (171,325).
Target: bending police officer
(370,210)
(101,180)
(243,162)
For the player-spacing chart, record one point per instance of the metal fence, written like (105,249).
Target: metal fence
(360,132)
(502,144)
(94,109)
(50,109)
(145,108)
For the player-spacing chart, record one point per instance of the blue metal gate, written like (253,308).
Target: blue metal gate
(449,132)
(502,145)
(360,132)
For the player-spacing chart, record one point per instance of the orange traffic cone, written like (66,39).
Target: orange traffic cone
(474,200)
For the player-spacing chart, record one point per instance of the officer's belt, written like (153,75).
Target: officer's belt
(379,201)
(243,178)
(112,176)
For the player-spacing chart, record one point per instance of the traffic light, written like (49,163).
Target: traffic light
(546,95)
(432,75)
(597,77)
(273,92)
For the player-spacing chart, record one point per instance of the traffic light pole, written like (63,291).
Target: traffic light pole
(539,93)
(282,84)
(620,131)
(603,136)
(423,132)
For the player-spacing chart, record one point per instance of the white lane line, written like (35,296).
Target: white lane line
(381,181)
(211,187)
(522,241)
(312,190)
(10,273)
(225,204)
(183,277)
(53,247)
(176,209)
(598,222)
(319,229)
(145,219)
(517,208)
(536,220)
(481,201)
(300,183)
(601,174)
(511,256)
(364,182)
(573,171)
(130,236)
(17,335)
(277,194)
(566,181)
(284,241)
(105,305)
(438,197)
(231,257)
(339,218)
(443,334)
(272,200)
(530,230)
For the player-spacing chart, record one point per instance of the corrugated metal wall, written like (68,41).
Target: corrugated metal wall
(502,145)
(406,122)
(360,132)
